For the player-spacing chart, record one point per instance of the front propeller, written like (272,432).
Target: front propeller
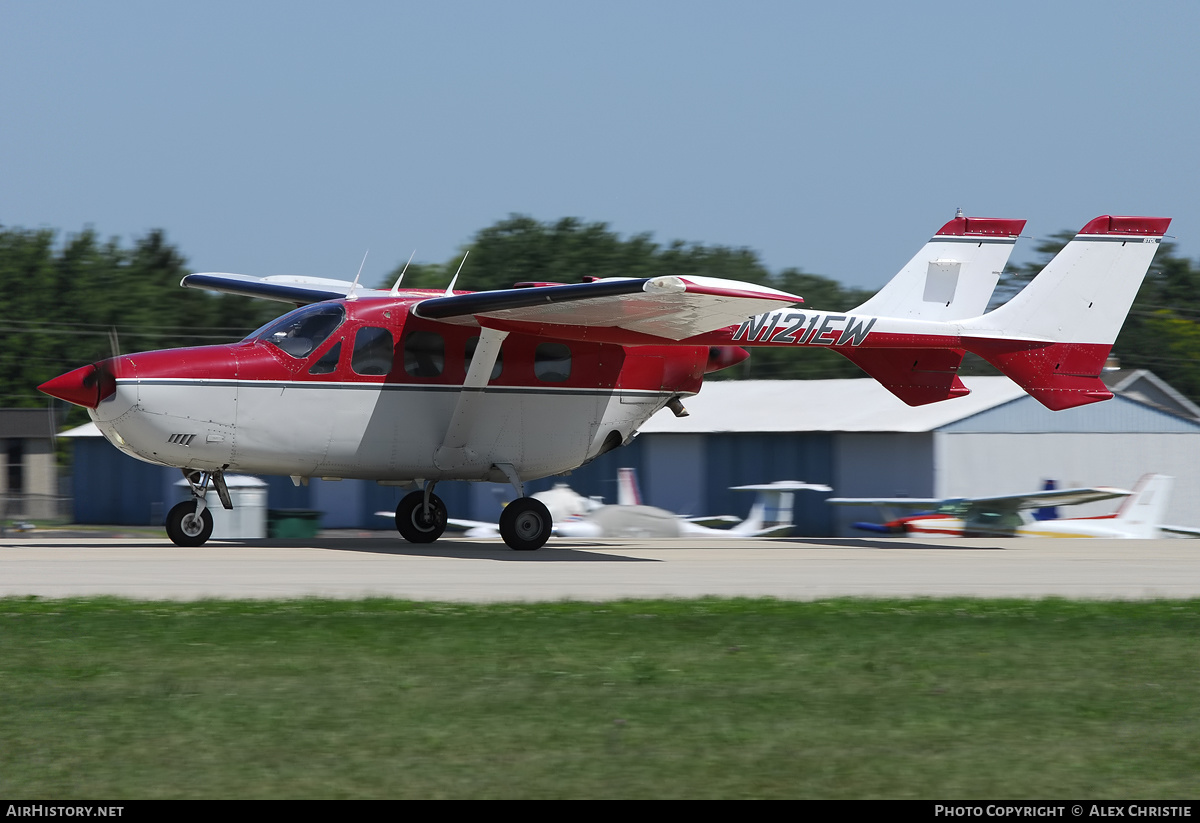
(85,386)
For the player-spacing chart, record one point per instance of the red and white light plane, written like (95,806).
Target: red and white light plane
(415,387)
(1138,517)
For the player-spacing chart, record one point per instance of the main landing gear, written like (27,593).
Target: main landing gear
(525,523)
(421,516)
(191,523)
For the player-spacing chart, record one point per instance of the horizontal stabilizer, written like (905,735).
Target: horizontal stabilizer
(916,376)
(1058,375)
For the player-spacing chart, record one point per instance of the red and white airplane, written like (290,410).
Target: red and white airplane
(412,387)
(1138,517)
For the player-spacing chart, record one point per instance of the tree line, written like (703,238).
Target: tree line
(73,301)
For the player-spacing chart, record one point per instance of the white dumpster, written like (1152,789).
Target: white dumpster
(247,519)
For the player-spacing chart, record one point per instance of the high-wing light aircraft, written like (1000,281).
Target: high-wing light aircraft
(412,387)
(770,514)
(1139,515)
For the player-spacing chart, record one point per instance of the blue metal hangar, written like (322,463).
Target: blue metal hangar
(850,434)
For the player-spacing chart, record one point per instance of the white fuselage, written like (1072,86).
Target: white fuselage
(364,430)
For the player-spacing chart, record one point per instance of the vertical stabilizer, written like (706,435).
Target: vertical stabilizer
(628,493)
(1142,511)
(1054,337)
(773,507)
(953,276)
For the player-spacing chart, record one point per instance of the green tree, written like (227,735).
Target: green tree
(68,304)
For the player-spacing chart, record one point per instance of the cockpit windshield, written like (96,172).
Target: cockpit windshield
(299,332)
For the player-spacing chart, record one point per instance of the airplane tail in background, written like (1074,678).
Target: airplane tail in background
(755,521)
(1054,337)
(773,511)
(1142,511)
(628,493)
(953,276)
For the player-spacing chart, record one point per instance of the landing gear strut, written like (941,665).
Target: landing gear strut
(421,516)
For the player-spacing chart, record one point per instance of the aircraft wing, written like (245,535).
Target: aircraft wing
(1186,531)
(284,288)
(1013,502)
(919,503)
(718,521)
(670,307)
(1051,497)
(784,486)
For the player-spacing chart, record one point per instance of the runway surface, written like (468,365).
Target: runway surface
(382,564)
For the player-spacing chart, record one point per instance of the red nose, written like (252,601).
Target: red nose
(85,386)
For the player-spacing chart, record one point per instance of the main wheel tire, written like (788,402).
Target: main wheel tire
(525,524)
(185,528)
(417,526)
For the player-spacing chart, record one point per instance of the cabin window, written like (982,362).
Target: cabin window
(329,360)
(300,332)
(552,362)
(497,367)
(424,353)
(372,351)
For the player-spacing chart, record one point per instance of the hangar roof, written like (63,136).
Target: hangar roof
(862,405)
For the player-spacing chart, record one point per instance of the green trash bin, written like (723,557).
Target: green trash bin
(293,523)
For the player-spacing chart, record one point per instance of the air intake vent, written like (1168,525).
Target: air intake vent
(181,439)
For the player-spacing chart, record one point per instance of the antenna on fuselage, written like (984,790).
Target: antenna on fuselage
(450,288)
(396,286)
(350,294)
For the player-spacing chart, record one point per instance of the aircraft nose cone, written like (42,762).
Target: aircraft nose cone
(85,386)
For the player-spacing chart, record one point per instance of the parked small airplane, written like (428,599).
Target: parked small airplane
(412,387)
(1139,515)
(578,516)
(770,514)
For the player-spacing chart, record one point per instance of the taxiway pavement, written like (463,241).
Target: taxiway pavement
(451,569)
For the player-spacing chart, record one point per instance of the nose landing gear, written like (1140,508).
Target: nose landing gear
(186,527)
(191,523)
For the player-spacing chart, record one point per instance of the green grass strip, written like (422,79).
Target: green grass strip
(849,698)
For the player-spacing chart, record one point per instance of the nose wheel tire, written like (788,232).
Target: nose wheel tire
(185,528)
(415,523)
(525,524)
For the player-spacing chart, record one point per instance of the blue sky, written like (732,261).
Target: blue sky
(272,137)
